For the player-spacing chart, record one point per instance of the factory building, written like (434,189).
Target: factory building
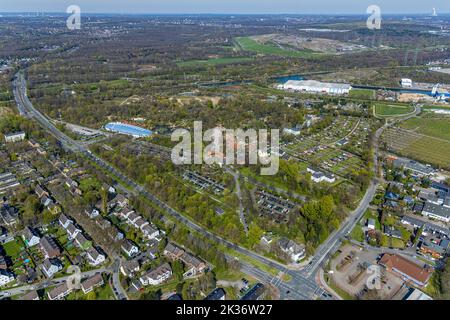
(316,87)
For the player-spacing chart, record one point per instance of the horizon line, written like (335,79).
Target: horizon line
(226,13)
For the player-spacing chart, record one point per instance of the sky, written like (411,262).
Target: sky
(227,6)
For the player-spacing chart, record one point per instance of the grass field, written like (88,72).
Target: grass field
(434,127)
(364,94)
(390,110)
(419,147)
(214,62)
(14,248)
(248,44)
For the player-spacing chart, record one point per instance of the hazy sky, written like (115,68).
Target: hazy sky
(227,6)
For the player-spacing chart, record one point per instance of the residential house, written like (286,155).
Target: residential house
(267,239)
(157,275)
(391,232)
(115,235)
(173,251)
(295,251)
(130,268)
(49,247)
(15,137)
(255,292)
(150,232)
(31,296)
(91,283)
(50,267)
(95,257)
(432,249)
(82,242)
(41,192)
(30,237)
(216,294)
(193,264)
(9,215)
(64,221)
(72,231)
(59,292)
(5,277)
(120,200)
(371,224)
(92,212)
(129,248)
(319,176)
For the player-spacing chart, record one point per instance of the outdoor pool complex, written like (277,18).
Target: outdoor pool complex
(128,129)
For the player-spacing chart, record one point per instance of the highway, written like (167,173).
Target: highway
(301,286)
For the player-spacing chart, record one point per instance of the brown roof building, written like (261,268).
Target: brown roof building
(50,247)
(91,283)
(408,270)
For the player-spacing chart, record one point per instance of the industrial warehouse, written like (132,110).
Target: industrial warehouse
(128,129)
(316,87)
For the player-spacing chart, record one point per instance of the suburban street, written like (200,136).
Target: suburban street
(48,283)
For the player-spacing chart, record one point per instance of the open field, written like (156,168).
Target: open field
(434,127)
(214,62)
(389,110)
(365,94)
(416,146)
(248,44)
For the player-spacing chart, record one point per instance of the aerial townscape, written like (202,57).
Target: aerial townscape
(94,207)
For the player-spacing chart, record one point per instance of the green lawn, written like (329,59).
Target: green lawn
(248,44)
(365,94)
(357,233)
(388,110)
(214,62)
(434,127)
(391,242)
(14,248)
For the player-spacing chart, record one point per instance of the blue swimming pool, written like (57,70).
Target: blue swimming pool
(128,129)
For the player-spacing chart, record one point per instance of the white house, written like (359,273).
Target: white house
(92,213)
(292,131)
(156,276)
(15,137)
(294,250)
(50,267)
(30,237)
(64,221)
(72,231)
(5,277)
(129,248)
(150,232)
(371,224)
(95,257)
(319,176)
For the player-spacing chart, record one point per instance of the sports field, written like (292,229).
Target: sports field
(392,110)
(248,44)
